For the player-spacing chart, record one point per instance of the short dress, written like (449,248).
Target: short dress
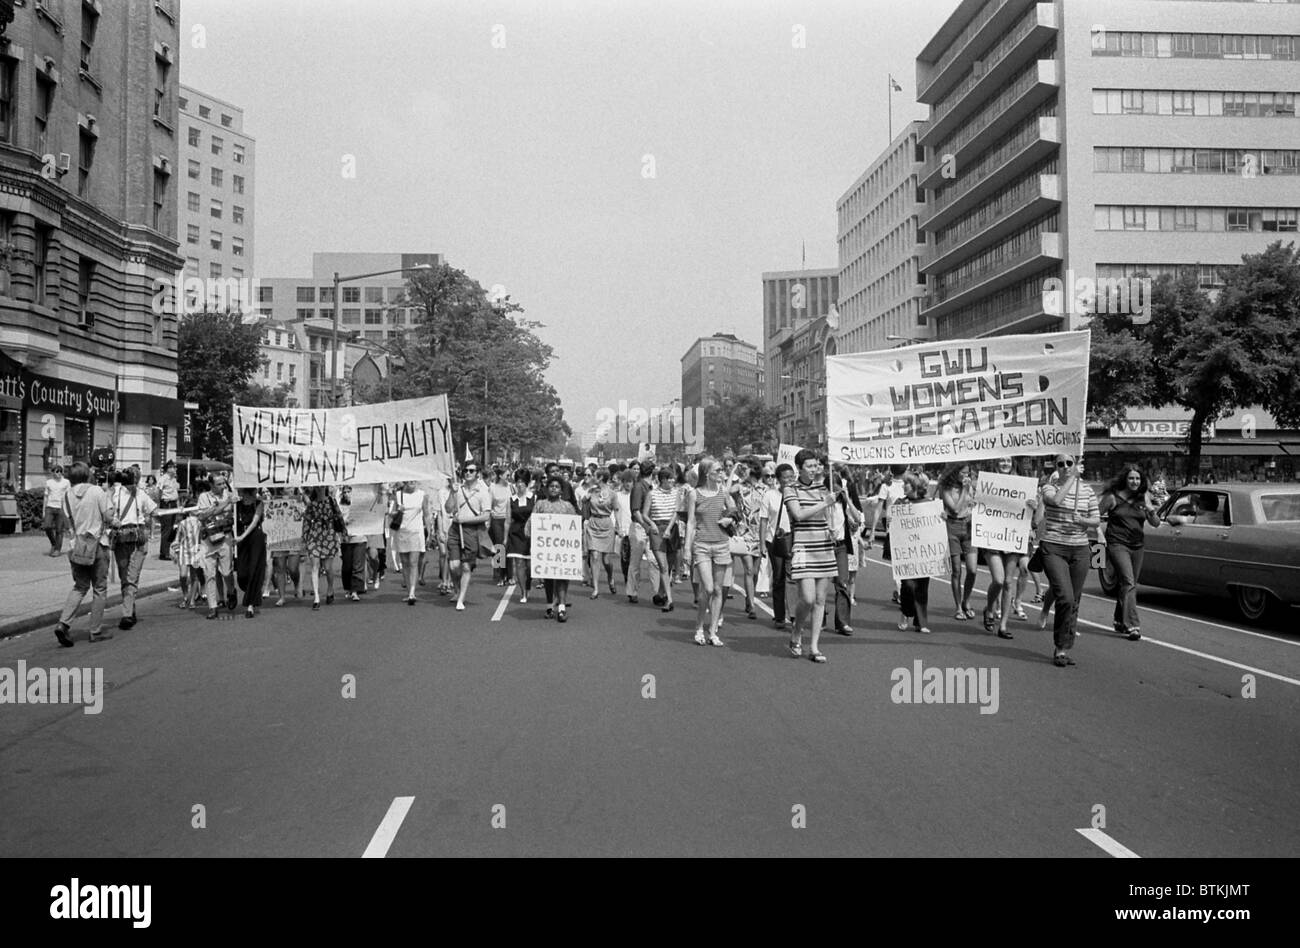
(598,531)
(410,537)
(318,536)
(814,548)
(521,508)
(750,508)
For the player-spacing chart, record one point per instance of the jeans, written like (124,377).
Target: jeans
(641,551)
(93,577)
(1128,567)
(914,601)
(130,558)
(1067,570)
(780,576)
(354,567)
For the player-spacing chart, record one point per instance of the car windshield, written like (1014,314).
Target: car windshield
(1279,508)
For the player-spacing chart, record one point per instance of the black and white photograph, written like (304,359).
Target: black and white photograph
(748,429)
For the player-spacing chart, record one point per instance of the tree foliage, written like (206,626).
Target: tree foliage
(485,357)
(1211,356)
(740,420)
(217,356)
(257,395)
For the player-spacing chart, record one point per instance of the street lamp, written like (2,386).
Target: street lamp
(334,368)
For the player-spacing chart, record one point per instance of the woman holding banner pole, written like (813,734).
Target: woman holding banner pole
(1070,509)
(958,500)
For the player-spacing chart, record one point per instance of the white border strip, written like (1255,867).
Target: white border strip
(388,828)
(505,599)
(1115,849)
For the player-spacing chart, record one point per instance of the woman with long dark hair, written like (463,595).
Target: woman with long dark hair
(518,543)
(1070,510)
(1126,505)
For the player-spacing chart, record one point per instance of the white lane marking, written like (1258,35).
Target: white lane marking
(388,828)
(1178,648)
(1163,612)
(1117,850)
(505,598)
(758,602)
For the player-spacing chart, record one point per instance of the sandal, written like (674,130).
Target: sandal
(817,657)
(699,637)
(795,647)
(1005,634)
(1038,598)
(923,630)
(990,622)
(1020,614)
(970,613)
(960,614)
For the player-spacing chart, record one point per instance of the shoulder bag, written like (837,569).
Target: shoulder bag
(395,520)
(85,546)
(217,527)
(782,543)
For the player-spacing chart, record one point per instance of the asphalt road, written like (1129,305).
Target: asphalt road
(544,727)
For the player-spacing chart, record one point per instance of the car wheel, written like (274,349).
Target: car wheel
(1255,604)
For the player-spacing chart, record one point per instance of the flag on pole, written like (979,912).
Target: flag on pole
(468,457)
(894,85)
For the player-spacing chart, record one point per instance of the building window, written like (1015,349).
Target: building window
(215,239)
(192,266)
(7,69)
(42,257)
(185,103)
(327,294)
(160,202)
(194,137)
(194,169)
(374,294)
(306,294)
(89,25)
(192,201)
(374,317)
(266,294)
(85,159)
(307,314)
(191,233)
(161,70)
(214,271)
(351,316)
(205,112)
(216,177)
(225,120)
(237,153)
(237,184)
(352,294)
(237,246)
(217,144)
(216,209)
(237,214)
(279,371)
(85,277)
(43,106)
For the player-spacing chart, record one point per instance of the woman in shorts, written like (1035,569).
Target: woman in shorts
(957,493)
(709,521)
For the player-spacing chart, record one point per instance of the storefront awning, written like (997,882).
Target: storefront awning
(1121,446)
(1247,449)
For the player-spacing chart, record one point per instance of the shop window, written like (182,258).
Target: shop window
(11,443)
(76,439)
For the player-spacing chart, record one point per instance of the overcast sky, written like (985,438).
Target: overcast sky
(525,165)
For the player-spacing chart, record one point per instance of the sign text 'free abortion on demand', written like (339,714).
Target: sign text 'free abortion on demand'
(406,440)
(960,400)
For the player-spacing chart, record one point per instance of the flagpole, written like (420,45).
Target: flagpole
(890,80)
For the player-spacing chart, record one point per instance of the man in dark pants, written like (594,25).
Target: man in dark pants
(778,524)
(353,568)
(169,498)
(846,520)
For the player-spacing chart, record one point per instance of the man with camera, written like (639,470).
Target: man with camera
(134,511)
(216,515)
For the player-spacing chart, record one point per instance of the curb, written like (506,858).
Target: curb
(42,619)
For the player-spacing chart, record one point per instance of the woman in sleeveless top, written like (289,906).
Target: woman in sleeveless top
(1127,507)
(518,544)
(958,499)
(660,511)
(710,518)
(250,549)
(812,563)
(598,532)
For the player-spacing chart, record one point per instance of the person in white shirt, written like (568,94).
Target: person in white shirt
(216,510)
(500,491)
(91,514)
(56,521)
(134,509)
(470,507)
(169,498)
(891,490)
(775,524)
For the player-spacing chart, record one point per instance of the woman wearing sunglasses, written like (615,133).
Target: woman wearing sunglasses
(1070,509)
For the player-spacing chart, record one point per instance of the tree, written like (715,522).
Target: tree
(741,419)
(1211,357)
(264,396)
(217,355)
(484,357)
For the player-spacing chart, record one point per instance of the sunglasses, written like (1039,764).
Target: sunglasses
(1065,464)
(471,470)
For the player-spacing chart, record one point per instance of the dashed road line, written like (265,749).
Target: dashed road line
(505,600)
(1116,849)
(388,828)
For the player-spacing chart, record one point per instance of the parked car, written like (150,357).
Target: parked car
(1238,540)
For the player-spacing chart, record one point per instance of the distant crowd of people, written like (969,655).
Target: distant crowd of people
(748,529)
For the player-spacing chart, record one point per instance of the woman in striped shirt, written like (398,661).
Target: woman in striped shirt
(812,564)
(660,511)
(1070,509)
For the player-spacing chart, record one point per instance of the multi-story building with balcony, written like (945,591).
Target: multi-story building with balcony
(1100,139)
(880,241)
(88,185)
(717,368)
(216,210)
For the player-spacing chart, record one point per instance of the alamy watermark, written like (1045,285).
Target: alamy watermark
(1125,296)
(631,425)
(183,295)
(921,685)
(84,686)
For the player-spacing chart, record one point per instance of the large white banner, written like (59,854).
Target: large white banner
(361,444)
(944,402)
(1001,519)
(556,549)
(918,541)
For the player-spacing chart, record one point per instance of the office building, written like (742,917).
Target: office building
(1100,139)
(88,158)
(793,300)
(216,210)
(718,368)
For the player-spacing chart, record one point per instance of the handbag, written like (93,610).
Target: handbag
(1036,561)
(782,543)
(130,534)
(338,523)
(395,520)
(886,553)
(85,546)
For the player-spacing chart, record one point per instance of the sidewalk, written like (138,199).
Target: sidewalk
(35,584)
